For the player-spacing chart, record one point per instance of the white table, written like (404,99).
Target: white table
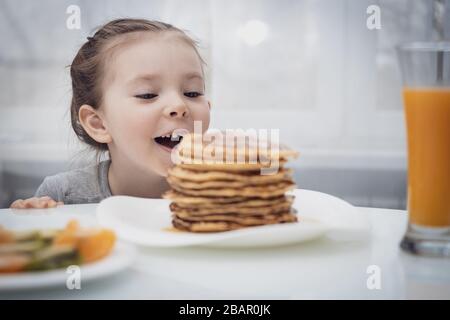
(318,269)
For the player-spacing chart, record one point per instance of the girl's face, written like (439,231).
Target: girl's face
(153,85)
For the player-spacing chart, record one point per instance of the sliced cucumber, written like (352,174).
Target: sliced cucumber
(54,257)
(20,236)
(22,247)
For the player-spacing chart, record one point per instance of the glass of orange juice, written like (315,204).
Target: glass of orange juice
(425,70)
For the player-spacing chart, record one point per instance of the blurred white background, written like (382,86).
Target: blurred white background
(310,68)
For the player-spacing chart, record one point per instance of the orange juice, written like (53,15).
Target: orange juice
(428,124)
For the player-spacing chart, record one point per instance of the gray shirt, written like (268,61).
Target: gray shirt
(86,185)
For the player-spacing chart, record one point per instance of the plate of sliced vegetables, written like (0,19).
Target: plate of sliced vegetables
(39,251)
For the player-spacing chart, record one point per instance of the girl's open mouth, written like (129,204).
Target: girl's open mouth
(168,141)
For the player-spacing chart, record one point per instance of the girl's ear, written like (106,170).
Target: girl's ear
(93,124)
(209,105)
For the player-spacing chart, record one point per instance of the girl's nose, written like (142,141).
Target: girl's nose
(177,109)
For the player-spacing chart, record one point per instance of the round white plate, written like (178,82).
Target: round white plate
(147,222)
(120,258)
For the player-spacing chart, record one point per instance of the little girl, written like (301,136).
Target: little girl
(134,82)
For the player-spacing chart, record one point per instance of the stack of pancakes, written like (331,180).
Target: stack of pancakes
(211,196)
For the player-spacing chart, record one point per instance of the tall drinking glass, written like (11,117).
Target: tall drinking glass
(425,70)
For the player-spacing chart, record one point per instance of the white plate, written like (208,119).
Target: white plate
(147,222)
(120,258)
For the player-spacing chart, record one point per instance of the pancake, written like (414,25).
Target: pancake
(268,191)
(207,176)
(220,226)
(181,198)
(272,167)
(217,184)
(195,203)
(209,194)
(241,147)
(230,209)
(243,220)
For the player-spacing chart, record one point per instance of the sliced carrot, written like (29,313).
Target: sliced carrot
(92,244)
(68,236)
(72,226)
(10,263)
(6,236)
(97,245)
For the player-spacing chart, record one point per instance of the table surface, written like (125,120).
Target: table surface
(320,269)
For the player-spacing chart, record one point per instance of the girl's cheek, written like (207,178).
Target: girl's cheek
(134,127)
(205,121)
(204,116)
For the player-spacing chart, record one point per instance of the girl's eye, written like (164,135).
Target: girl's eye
(193,94)
(146,96)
